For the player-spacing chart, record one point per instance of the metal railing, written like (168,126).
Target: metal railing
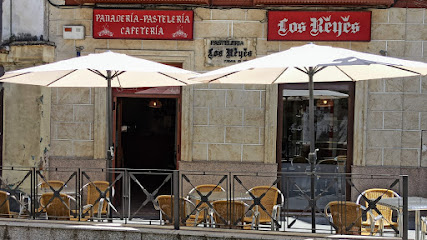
(248,200)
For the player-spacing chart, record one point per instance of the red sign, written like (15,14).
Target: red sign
(319,26)
(143,24)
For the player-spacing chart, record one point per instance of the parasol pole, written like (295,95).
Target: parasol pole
(312,154)
(110,147)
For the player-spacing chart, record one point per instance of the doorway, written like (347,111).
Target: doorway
(147,136)
(333,117)
(1,126)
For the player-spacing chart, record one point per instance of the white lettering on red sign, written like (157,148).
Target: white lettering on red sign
(319,25)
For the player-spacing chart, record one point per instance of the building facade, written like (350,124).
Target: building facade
(218,127)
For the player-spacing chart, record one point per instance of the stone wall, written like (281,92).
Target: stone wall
(238,123)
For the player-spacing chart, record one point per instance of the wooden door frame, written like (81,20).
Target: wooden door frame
(178,97)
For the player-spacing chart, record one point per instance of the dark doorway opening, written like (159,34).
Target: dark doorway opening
(148,132)
(1,127)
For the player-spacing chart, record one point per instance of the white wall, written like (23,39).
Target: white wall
(27,17)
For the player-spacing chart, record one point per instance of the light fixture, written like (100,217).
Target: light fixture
(325,103)
(155,103)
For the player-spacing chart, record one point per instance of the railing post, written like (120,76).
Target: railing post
(176,198)
(33,192)
(405,207)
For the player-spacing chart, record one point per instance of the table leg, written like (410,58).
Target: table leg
(417,224)
(400,222)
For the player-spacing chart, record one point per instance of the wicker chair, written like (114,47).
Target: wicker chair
(164,203)
(97,206)
(374,220)
(224,218)
(55,184)
(5,207)
(202,213)
(271,214)
(57,208)
(423,228)
(345,217)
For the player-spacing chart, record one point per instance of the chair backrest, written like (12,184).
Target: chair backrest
(205,188)
(55,184)
(54,207)
(346,216)
(373,194)
(4,204)
(267,201)
(165,203)
(93,195)
(224,214)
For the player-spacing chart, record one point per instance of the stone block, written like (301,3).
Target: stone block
(392,157)
(194,45)
(73,96)
(375,120)
(415,15)
(212,29)
(226,116)
(63,148)
(208,134)
(397,15)
(61,13)
(384,138)
(201,14)
(253,153)
(74,131)
(200,151)
(249,30)
(424,149)
(209,98)
(385,102)
(242,135)
(416,32)
(376,85)
(256,15)
(261,87)
(380,16)
(393,85)
(62,234)
(393,120)
(126,44)
(374,157)
(229,14)
(200,116)
(388,32)
(412,84)
(424,84)
(413,49)
(61,113)
(254,117)
(415,102)
(261,47)
(411,139)
(395,48)
(411,120)
(225,152)
(410,158)
(237,98)
(369,47)
(83,113)
(83,13)
(275,46)
(83,149)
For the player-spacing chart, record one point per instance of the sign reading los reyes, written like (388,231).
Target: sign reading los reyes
(222,52)
(143,24)
(319,26)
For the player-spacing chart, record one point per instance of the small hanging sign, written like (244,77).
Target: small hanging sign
(224,52)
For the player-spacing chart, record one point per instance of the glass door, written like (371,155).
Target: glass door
(333,120)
